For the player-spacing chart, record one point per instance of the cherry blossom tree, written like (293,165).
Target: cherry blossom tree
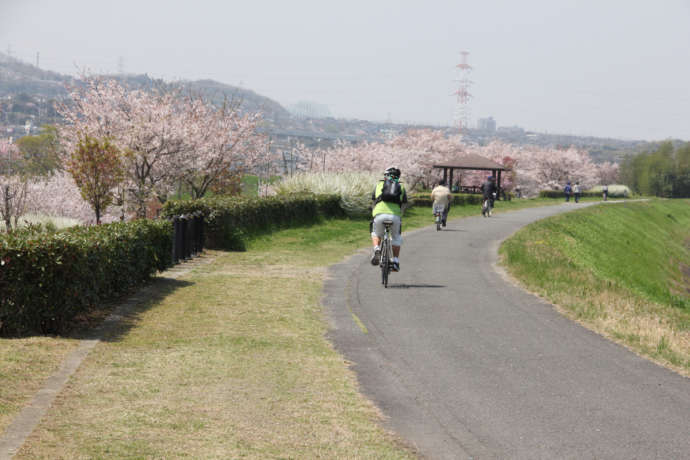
(533,168)
(608,173)
(13,184)
(149,125)
(224,144)
(57,195)
(414,153)
(168,137)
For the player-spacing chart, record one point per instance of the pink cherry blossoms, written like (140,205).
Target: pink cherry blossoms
(533,168)
(13,185)
(168,137)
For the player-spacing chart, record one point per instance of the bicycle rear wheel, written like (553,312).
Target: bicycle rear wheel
(385,262)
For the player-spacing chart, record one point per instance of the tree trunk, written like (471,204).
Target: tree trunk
(7,213)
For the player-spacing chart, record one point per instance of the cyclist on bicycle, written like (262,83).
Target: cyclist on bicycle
(389,195)
(441,196)
(489,191)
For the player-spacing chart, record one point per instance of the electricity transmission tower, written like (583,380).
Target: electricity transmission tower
(462,94)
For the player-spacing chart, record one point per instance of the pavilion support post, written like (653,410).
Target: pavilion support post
(445,174)
(449,184)
(498,182)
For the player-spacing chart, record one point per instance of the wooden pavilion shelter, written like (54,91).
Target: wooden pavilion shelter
(472,162)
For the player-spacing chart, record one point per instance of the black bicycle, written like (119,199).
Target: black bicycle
(386,253)
(486,205)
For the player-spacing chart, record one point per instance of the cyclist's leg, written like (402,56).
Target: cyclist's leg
(396,240)
(377,231)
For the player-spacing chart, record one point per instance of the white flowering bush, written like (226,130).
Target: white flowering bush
(56,222)
(354,188)
(615,191)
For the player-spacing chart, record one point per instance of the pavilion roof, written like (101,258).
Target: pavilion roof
(472,161)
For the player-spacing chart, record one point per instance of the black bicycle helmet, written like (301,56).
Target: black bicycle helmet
(392,171)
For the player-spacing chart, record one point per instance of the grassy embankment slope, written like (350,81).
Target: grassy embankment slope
(231,360)
(622,270)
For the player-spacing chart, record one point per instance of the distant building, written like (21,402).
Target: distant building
(487,124)
(513,130)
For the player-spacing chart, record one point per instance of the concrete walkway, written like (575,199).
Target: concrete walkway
(466,365)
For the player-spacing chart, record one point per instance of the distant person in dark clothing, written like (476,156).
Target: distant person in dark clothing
(567,190)
(489,191)
(576,192)
(605,192)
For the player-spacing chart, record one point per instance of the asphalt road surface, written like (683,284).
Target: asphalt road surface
(465,365)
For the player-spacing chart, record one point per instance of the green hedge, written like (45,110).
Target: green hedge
(231,219)
(561,195)
(46,279)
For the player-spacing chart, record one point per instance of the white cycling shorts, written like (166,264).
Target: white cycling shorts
(378,229)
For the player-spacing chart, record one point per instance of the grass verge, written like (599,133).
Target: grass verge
(25,363)
(619,270)
(232,364)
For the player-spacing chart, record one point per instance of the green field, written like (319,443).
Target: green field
(620,269)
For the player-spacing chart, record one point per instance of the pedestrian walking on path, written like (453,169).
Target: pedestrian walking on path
(567,190)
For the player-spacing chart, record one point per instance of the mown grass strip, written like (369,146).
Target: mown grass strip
(621,270)
(234,364)
(25,363)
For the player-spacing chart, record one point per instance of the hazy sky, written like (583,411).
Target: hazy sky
(591,67)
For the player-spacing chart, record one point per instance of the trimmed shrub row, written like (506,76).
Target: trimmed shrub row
(230,220)
(47,279)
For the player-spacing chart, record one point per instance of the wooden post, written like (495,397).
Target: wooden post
(450,183)
(445,174)
(498,186)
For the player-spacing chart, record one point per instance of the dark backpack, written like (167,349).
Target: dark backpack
(391,192)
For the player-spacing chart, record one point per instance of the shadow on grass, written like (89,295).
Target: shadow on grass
(113,318)
(125,315)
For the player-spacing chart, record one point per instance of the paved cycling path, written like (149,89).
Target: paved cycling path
(466,365)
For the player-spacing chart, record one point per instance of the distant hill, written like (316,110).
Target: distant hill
(28,92)
(18,77)
(249,100)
